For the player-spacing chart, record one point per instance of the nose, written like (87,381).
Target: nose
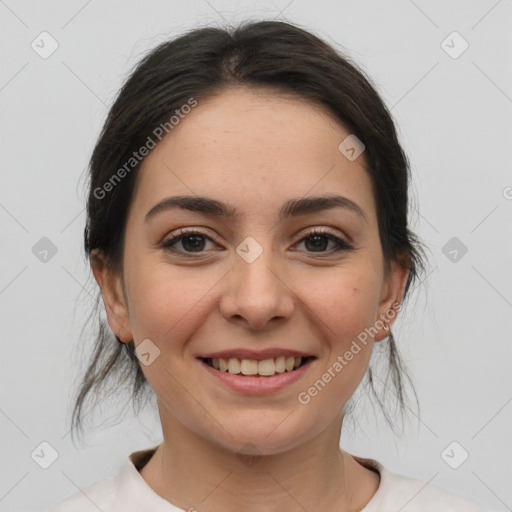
(256,293)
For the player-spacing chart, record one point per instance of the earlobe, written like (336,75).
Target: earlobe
(113,297)
(385,321)
(392,298)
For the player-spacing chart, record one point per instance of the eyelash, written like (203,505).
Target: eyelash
(342,245)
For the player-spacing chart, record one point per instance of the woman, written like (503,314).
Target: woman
(247,227)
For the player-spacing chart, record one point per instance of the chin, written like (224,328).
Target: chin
(260,437)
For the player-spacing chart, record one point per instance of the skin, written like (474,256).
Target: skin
(255,150)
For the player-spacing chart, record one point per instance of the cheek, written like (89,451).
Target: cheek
(166,301)
(345,299)
(346,312)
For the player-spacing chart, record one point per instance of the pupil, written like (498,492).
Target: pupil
(316,237)
(194,245)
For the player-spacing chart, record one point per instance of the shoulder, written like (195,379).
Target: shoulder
(98,496)
(407,494)
(126,491)
(419,496)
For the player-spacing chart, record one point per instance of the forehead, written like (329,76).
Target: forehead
(254,148)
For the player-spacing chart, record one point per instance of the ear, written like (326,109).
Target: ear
(112,291)
(391,295)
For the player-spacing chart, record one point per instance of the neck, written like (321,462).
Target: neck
(317,475)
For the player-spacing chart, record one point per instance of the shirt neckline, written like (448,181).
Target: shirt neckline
(130,482)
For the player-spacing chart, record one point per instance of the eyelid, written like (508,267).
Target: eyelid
(188,231)
(325,230)
(341,242)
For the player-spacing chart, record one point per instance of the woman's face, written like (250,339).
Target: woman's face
(256,281)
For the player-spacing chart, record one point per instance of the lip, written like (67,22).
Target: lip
(257,355)
(257,386)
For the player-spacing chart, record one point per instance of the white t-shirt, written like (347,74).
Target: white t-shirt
(129,492)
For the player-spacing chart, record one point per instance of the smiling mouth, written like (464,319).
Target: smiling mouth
(252,368)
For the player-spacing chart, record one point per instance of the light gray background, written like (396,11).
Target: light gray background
(454,119)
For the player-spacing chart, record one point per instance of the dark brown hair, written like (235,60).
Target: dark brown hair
(203,62)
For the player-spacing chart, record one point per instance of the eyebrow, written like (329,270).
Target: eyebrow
(292,207)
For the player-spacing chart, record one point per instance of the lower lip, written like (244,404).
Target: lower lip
(250,385)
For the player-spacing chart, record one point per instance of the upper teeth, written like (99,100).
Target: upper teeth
(266,367)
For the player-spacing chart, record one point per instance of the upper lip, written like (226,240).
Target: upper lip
(258,355)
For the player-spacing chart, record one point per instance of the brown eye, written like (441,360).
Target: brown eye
(317,241)
(191,242)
